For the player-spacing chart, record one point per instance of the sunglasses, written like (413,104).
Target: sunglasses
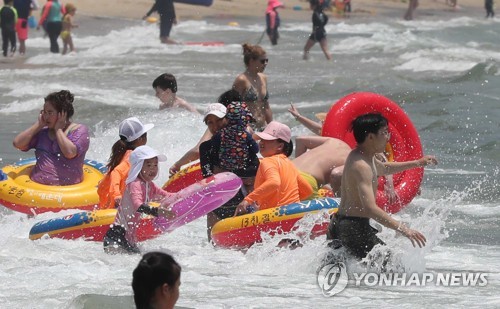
(263,61)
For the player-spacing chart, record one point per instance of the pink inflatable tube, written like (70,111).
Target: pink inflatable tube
(199,199)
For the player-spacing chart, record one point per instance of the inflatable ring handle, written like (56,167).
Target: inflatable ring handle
(404,142)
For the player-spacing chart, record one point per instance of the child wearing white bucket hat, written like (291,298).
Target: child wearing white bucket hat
(139,192)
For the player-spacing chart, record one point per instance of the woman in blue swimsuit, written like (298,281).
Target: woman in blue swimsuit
(252,85)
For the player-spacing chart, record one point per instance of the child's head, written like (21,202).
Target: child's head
(166,81)
(70,8)
(229,96)
(131,130)
(144,164)
(156,280)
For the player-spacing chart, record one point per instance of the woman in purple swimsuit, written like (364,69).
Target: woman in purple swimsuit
(60,145)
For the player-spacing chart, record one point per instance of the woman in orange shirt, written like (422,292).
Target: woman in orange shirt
(278,182)
(132,135)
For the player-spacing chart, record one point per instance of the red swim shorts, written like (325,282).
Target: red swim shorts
(22,29)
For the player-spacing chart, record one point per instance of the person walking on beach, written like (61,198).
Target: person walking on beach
(166,10)
(488,5)
(23,8)
(273,20)
(359,185)
(412,6)
(319,20)
(52,14)
(8,21)
(67,25)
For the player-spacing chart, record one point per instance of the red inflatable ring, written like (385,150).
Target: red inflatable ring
(404,144)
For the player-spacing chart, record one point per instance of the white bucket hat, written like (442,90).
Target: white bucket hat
(137,158)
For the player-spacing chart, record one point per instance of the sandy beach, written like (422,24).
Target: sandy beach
(293,10)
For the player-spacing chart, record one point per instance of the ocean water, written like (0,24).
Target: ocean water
(443,73)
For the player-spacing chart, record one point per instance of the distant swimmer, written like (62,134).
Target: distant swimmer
(165,87)
(351,224)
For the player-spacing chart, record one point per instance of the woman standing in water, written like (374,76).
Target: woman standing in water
(252,85)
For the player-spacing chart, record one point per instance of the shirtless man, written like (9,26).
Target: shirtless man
(165,87)
(322,158)
(359,185)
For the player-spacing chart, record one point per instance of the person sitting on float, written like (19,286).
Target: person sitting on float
(278,182)
(60,145)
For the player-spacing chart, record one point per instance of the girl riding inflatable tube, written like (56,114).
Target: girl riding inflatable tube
(404,144)
(18,192)
(189,204)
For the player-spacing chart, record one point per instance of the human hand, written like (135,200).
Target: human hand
(145,17)
(241,209)
(40,122)
(295,113)
(165,212)
(173,169)
(61,121)
(415,236)
(427,160)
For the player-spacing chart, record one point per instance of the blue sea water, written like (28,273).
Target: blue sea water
(443,73)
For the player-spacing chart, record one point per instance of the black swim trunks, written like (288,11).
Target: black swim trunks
(115,241)
(354,233)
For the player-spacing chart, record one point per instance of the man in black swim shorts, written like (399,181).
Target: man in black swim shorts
(359,186)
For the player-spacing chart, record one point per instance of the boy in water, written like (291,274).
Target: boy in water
(8,21)
(165,87)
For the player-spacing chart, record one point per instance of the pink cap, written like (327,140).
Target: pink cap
(276,130)
(272,4)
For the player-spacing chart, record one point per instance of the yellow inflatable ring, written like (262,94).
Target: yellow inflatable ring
(18,192)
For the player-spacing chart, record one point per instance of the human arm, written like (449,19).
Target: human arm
(23,139)
(184,104)
(312,125)
(388,168)
(265,190)
(45,13)
(305,143)
(153,9)
(67,146)
(240,84)
(191,155)
(268,113)
(362,175)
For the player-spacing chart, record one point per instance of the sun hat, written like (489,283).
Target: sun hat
(275,130)
(320,116)
(132,128)
(137,158)
(272,4)
(216,109)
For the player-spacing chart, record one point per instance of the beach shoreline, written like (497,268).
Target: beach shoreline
(294,10)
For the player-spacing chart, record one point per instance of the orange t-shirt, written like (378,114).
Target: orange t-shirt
(112,185)
(278,183)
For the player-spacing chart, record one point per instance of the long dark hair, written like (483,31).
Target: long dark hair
(118,151)
(154,270)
